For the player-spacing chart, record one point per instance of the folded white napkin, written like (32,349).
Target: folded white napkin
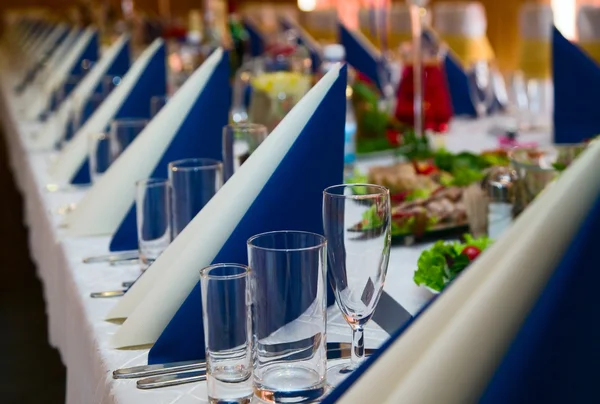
(452,350)
(155,298)
(461,19)
(536,21)
(75,152)
(60,74)
(54,128)
(588,23)
(108,201)
(46,43)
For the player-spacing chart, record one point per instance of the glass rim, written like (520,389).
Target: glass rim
(247,127)
(201,164)
(205,272)
(511,154)
(152,182)
(383,191)
(322,243)
(129,122)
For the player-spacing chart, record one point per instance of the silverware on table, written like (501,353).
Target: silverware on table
(124,261)
(124,255)
(335,350)
(108,293)
(128,284)
(193,376)
(174,379)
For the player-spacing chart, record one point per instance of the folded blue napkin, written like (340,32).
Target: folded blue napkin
(90,54)
(257,40)
(152,82)
(313,49)
(460,91)
(576,77)
(291,199)
(199,135)
(359,57)
(554,357)
(118,68)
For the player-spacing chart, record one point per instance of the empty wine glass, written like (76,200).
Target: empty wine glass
(357,223)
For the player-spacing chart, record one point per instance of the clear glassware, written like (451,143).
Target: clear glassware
(123,132)
(226,314)
(289,315)
(194,182)
(153,209)
(239,142)
(99,155)
(357,223)
(157,103)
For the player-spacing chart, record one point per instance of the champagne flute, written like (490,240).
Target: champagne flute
(357,224)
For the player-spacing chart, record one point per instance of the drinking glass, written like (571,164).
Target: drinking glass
(226,314)
(357,223)
(79,114)
(156,104)
(153,218)
(123,132)
(194,183)
(99,153)
(289,315)
(239,141)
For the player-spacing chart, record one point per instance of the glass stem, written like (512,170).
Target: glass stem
(358,346)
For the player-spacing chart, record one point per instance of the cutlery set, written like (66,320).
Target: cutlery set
(115,259)
(177,373)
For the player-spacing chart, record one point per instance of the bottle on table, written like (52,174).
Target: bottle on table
(333,54)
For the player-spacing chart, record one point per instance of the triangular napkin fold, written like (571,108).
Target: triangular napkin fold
(115,61)
(190,124)
(361,54)
(305,39)
(471,325)
(131,98)
(257,39)
(279,187)
(85,48)
(576,108)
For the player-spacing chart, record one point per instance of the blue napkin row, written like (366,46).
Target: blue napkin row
(152,82)
(199,135)
(290,199)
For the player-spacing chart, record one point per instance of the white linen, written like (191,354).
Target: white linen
(75,152)
(76,322)
(54,129)
(109,200)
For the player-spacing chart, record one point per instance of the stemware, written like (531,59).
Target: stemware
(357,224)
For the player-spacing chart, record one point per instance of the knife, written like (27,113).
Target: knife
(108,293)
(334,351)
(124,255)
(184,377)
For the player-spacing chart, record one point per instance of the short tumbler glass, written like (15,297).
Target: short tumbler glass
(226,314)
(239,142)
(290,315)
(194,182)
(99,153)
(153,199)
(123,132)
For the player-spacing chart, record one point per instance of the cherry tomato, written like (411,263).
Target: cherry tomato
(472,252)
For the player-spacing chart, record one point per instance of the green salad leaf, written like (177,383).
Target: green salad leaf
(443,262)
(371,219)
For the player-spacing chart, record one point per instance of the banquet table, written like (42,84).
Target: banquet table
(76,321)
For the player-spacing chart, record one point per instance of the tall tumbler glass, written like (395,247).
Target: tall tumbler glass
(99,153)
(357,223)
(153,218)
(226,313)
(123,132)
(239,142)
(157,103)
(290,315)
(194,183)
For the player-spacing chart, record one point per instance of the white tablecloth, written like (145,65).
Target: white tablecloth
(76,324)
